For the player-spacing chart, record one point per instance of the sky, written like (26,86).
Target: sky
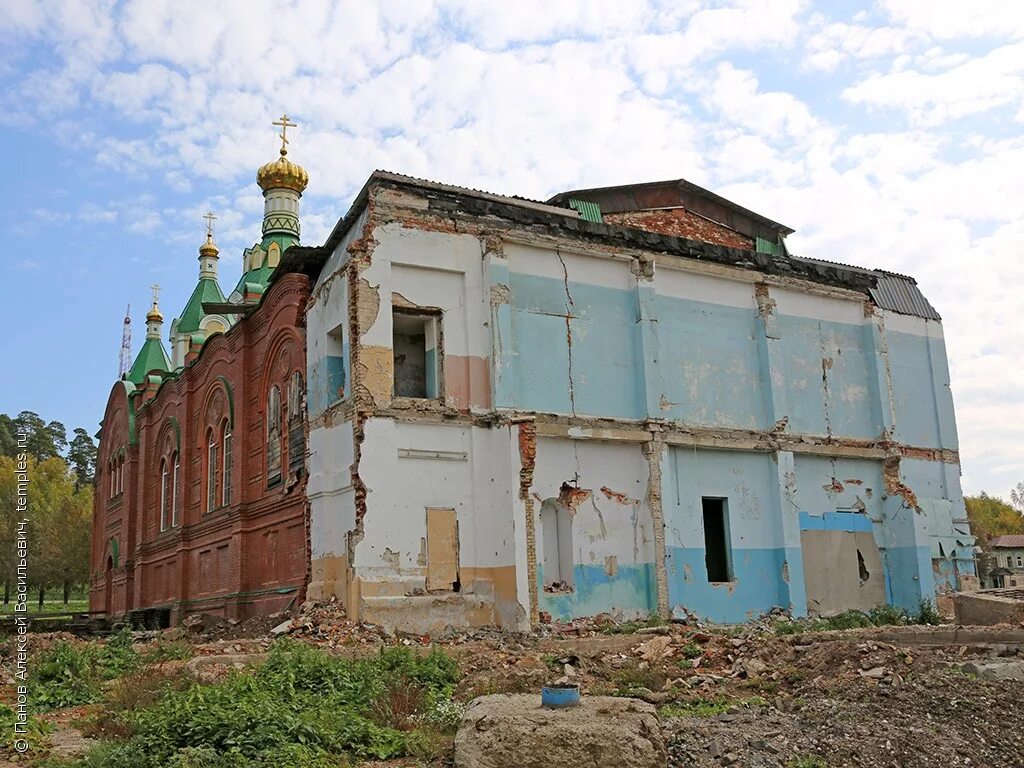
(888,134)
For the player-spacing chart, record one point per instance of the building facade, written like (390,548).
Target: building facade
(199,501)
(470,409)
(1001,563)
(628,400)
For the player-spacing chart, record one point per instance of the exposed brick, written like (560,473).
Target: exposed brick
(679,222)
(239,560)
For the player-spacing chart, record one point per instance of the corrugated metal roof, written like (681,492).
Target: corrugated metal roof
(893,291)
(1009,540)
(899,293)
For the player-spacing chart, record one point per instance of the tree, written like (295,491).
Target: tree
(59,515)
(990,517)
(44,440)
(1017,497)
(82,458)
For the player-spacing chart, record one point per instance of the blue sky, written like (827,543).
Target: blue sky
(888,134)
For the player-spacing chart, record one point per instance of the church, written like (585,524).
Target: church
(468,409)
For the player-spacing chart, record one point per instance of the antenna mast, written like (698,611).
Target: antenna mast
(126,344)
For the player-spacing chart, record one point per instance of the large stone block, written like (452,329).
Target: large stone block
(501,731)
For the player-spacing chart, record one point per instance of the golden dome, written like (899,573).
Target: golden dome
(282,174)
(154,315)
(208,248)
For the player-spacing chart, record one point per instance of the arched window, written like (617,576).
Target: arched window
(296,433)
(174,492)
(226,449)
(211,473)
(120,474)
(273,436)
(110,477)
(163,495)
(556,546)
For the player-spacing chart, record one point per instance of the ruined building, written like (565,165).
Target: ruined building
(468,409)
(624,400)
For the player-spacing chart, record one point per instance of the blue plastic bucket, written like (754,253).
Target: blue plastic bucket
(558,696)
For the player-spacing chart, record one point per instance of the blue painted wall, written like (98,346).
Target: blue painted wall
(824,379)
(630,593)
(709,364)
(748,482)
(596,375)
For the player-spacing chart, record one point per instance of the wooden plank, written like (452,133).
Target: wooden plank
(442,550)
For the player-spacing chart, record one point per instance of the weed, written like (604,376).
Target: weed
(37,735)
(882,615)
(707,707)
(806,761)
(691,650)
(685,663)
(633,676)
(926,613)
(301,707)
(165,650)
(630,627)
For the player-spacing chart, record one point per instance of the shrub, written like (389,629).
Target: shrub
(301,707)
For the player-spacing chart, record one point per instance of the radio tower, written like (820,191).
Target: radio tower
(126,344)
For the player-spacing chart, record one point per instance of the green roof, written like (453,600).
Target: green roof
(151,357)
(206,291)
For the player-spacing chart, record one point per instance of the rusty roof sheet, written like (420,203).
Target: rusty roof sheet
(1010,540)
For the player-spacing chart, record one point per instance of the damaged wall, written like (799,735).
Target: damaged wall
(600,488)
(757,536)
(568,377)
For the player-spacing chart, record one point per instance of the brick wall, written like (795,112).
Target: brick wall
(681,223)
(239,559)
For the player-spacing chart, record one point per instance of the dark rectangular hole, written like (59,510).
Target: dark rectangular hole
(716,540)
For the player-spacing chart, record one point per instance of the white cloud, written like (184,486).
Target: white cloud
(838,127)
(974,86)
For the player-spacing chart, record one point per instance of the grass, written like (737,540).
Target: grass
(707,707)
(880,616)
(806,761)
(302,707)
(630,627)
(50,608)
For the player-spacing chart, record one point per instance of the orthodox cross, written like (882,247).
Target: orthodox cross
(285,124)
(209,223)
(156,292)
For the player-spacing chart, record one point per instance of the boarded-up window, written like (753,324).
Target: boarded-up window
(417,354)
(274,436)
(227,459)
(296,432)
(442,550)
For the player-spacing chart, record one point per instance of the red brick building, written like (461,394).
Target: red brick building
(199,501)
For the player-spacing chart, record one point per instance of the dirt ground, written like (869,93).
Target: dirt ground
(906,696)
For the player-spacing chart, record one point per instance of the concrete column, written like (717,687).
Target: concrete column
(882,394)
(767,333)
(655,452)
(651,381)
(789,517)
(498,293)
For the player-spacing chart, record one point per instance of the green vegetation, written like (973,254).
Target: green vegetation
(806,761)
(36,737)
(991,516)
(630,627)
(302,707)
(50,608)
(880,616)
(68,675)
(708,707)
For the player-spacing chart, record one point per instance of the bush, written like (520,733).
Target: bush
(302,707)
(68,675)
